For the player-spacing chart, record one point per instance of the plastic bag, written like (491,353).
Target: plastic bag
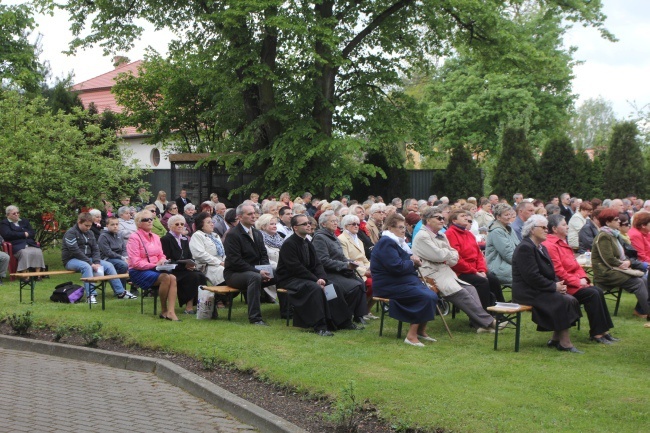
(205,309)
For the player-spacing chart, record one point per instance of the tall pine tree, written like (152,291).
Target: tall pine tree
(462,177)
(516,167)
(557,168)
(625,171)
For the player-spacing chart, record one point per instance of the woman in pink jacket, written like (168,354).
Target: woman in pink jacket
(576,281)
(471,266)
(145,254)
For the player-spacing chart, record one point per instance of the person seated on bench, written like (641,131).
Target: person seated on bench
(575,278)
(19,232)
(301,273)
(534,283)
(4,262)
(393,267)
(432,247)
(145,253)
(207,249)
(339,270)
(176,247)
(80,253)
(112,247)
(127,225)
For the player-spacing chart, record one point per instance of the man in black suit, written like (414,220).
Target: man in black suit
(182,200)
(565,206)
(245,249)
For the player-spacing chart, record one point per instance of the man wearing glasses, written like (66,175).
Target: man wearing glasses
(301,273)
(245,249)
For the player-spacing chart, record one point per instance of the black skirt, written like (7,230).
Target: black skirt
(188,283)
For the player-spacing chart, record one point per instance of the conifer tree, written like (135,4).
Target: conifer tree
(462,177)
(625,171)
(516,167)
(557,168)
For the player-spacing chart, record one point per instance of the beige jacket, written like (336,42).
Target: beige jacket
(354,252)
(437,258)
(483,219)
(374,230)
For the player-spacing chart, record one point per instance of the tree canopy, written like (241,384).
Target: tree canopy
(625,172)
(19,64)
(303,85)
(58,163)
(591,124)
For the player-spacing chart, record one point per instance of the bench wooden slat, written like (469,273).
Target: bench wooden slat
(41,274)
(510,310)
(221,290)
(104,278)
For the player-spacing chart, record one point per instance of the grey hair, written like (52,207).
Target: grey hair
(95,212)
(240,209)
(336,205)
(10,209)
(207,203)
(124,209)
(554,221)
(264,221)
(189,206)
(265,207)
(299,209)
(530,224)
(171,221)
(500,209)
(377,207)
(324,216)
(429,212)
(348,219)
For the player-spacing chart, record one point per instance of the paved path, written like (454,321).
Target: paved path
(41,393)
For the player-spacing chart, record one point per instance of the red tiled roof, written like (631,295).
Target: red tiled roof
(107,80)
(98,91)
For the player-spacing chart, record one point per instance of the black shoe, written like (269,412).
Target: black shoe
(324,333)
(259,323)
(552,343)
(360,320)
(611,338)
(571,349)
(601,340)
(354,327)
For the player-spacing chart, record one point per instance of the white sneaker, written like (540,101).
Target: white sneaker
(501,325)
(127,295)
(92,299)
(485,331)
(418,344)
(370,316)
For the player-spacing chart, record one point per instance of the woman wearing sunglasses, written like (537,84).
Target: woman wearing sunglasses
(145,254)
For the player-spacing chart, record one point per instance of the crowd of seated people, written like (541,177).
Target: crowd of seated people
(349,241)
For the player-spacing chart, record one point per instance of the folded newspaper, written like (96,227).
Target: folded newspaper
(165,267)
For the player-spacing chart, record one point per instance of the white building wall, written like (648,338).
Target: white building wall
(144,153)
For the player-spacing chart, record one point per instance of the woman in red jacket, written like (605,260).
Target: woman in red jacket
(640,235)
(471,266)
(576,281)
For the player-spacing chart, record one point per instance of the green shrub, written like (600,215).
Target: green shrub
(346,412)
(91,333)
(20,323)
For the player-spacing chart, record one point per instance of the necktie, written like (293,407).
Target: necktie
(250,233)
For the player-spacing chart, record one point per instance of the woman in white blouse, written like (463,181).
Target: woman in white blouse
(207,249)
(268,225)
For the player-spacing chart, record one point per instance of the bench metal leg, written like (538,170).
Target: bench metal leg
(399,329)
(231,300)
(517,331)
(618,301)
(23,285)
(381,322)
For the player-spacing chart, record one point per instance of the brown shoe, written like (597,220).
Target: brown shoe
(642,316)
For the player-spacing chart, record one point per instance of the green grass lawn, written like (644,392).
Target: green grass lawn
(461,385)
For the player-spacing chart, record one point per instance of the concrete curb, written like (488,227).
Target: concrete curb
(197,386)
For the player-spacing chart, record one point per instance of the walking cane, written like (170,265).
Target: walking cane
(437,307)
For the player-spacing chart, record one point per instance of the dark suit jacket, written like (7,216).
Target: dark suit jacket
(220,225)
(181,205)
(566,212)
(297,262)
(16,234)
(173,252)
(242,254)
(532,272)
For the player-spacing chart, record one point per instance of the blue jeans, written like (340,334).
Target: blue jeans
(121,267)
(87,272)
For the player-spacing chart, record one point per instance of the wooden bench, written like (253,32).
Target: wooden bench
(102,285)
(229,292)
(510,316)
(383,304)
(31,279)
(288,303)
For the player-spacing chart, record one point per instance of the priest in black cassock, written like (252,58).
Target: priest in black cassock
(301,273)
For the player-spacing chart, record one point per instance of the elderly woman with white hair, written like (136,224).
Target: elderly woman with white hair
(19,232)
(127,224)
(97,226)
(271,207)
(377,214)
(176,248)
(501,243)
(534,283)
(267,224)
(354,249)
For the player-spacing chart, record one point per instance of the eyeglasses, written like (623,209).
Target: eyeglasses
(303,224)
(146,220)
(438,217)
(353,224)
(625,224)
(174,208)
(543,228)
(401,227)
(178,224)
